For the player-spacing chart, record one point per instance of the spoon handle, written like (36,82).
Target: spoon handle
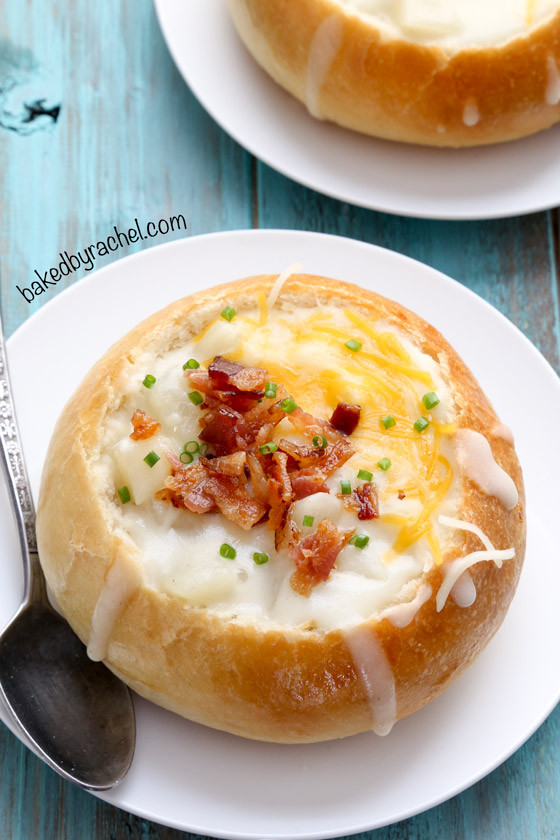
(17,482)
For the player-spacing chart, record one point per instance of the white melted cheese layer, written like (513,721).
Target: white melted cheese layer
(454,23)
(179,550)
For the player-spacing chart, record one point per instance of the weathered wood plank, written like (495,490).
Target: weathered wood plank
(131,142)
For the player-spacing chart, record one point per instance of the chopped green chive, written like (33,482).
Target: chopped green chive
(151,458)
(191,446)
(196,397)
(260,558)
(192,364)
(359,540)
(365,475)
(228,313)
(268,448)
(186,457)
(149,380)
(228,551)
(430,400)
(308,521)
(270,390)
(421,424)
(288,405)
(124,494)
(353,345)
(345,487)
(319,441)
(384,464)
(203,449)
(388,421)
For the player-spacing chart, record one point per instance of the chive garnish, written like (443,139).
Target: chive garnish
(345,487)
(192,364)
(228,313)
(260,558)
(353,345)
(270,390)
(288,405)
(124,494)
(388,421)
(268,448)
(365,475)
(228,551)
(319,441)
(196,397)
(149,380)
(430,400)
(308,521)
(384,464)
(359,540)
(151,458)
(191,446)
(421,424)
(186,457)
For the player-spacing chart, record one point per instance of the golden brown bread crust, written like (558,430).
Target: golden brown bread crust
(401,90)
(279,684)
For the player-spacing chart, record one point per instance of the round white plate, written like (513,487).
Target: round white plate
(194,778)
(482,183)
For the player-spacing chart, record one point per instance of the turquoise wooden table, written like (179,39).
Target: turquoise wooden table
(97,129)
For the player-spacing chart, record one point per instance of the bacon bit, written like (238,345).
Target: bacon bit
(266,413)
(288,535)
(326,461)
(227,464)
(233,500)
(368,504)
(303,454)
(309,425)
(144,426)
(307,482)
(250,379)
(402,495)
(346,417)
(201,491)
(316,555)
(258,478)
(184,488)
(200,379)
(225,430)
(280,492)
(225,375)
(220,371)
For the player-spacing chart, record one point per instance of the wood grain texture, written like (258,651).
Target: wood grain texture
(131,142)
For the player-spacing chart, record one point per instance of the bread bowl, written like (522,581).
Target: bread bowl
(435,72)
(287,649)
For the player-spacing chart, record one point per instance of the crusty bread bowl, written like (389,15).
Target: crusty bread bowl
(409,600)
(434,72)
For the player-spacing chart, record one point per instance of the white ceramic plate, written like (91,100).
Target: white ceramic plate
(483,183)
(196,779)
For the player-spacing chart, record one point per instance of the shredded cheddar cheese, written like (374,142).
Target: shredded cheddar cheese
(308,356)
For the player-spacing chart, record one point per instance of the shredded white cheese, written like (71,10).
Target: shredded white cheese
(280,280)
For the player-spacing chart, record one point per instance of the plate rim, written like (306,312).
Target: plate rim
(161,6)
(20,335)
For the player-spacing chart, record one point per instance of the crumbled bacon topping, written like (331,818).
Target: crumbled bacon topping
(248,485)
(201,489)
(144,426)
(368,503)
(315,556)
(345,418)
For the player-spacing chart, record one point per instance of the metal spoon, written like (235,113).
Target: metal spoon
(74,712)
